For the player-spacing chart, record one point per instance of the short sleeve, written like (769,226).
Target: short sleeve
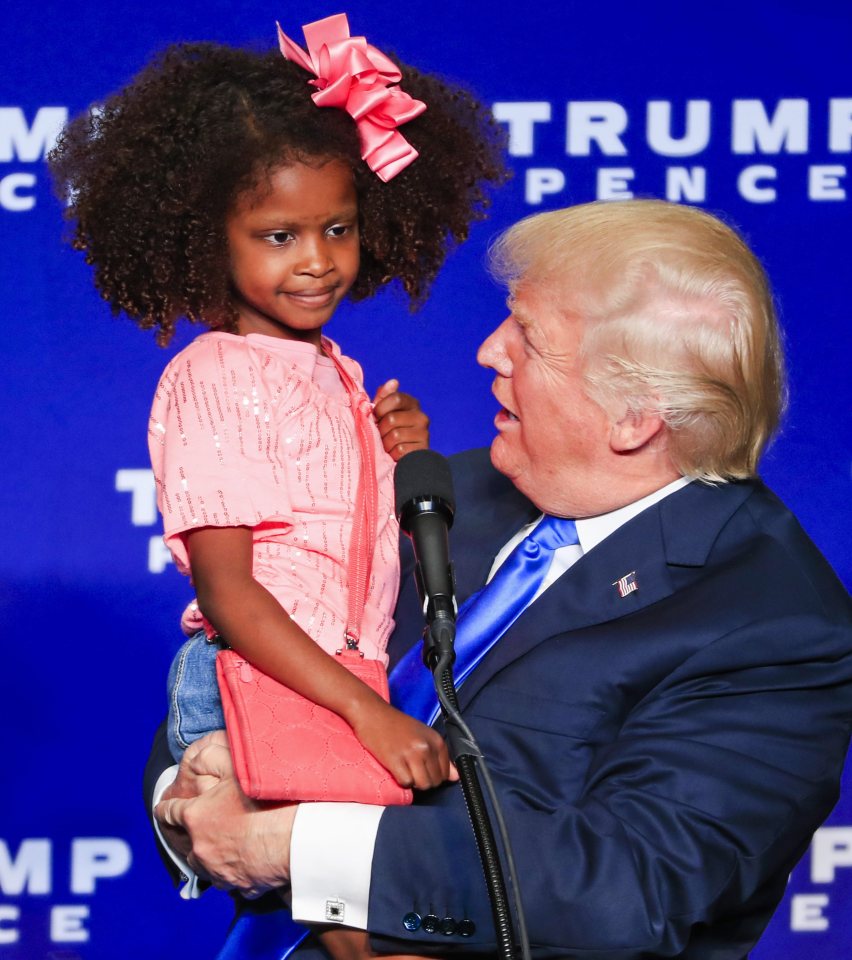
(214,444)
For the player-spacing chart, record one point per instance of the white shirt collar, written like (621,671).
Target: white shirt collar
(592,530)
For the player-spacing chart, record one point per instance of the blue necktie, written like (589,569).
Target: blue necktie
(483,618)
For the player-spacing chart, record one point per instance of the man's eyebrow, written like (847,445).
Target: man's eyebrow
(521,316)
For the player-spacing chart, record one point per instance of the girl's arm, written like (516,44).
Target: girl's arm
(403,427)
(253,622)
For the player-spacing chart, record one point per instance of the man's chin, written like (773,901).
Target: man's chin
(501,460)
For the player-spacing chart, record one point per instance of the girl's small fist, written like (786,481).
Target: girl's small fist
(402,424)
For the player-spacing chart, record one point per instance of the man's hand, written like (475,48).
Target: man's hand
(205,762)
(402,424)
(194,777)
(229,839)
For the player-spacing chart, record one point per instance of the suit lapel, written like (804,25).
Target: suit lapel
(678,531)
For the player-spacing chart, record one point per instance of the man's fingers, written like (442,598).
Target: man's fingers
(164,811)
(171,812)
(177,839)
(210,756)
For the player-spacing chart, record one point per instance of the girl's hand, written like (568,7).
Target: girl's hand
(191,620)
(415,754)
(402,424)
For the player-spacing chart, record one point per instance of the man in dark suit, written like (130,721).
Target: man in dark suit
(668,718)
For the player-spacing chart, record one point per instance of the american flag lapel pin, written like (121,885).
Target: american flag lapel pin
(626,584)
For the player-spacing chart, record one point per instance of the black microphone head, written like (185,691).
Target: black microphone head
(423,477)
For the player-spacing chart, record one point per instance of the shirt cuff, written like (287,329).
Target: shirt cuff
(331,860)
(191,889)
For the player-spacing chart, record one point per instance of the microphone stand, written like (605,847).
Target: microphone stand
(439,656)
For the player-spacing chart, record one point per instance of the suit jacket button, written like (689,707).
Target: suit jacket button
(430,923)
(411,921)
(448,926)
(466,928)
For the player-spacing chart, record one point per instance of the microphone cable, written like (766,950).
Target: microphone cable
(467,756)
(425,507)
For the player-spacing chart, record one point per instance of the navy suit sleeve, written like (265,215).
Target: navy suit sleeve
(661,772)
(695,812)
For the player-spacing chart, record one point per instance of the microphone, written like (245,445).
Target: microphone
(425,506)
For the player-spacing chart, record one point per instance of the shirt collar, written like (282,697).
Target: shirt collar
(592,530)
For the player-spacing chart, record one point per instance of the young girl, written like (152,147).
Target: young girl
(250,193)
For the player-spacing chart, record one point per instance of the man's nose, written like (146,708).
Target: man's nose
(492,352)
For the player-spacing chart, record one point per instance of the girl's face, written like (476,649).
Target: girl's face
(294,250)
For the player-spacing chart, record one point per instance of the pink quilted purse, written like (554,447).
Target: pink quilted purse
(284,746)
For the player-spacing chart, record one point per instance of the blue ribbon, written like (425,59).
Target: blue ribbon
(484,617)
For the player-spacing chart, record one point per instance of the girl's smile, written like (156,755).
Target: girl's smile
(294,250)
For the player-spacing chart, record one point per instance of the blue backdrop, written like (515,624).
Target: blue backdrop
(745,109)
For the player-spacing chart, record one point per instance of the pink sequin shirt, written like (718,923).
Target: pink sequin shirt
(257,431)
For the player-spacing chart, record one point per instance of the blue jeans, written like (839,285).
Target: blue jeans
(195,707)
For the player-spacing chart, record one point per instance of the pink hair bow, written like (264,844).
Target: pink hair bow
(354,76)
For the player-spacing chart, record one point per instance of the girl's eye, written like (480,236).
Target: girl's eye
(279,238)
(338,230)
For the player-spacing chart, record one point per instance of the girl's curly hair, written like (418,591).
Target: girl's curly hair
(151,175)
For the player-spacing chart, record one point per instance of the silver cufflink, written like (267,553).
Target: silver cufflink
(335,910)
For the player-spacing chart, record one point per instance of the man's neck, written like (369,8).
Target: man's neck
(592,530)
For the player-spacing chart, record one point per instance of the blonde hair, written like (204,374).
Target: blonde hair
(678,319)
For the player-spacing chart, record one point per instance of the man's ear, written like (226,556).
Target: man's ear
(635,430)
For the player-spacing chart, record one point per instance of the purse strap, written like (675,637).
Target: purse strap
(363,543)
